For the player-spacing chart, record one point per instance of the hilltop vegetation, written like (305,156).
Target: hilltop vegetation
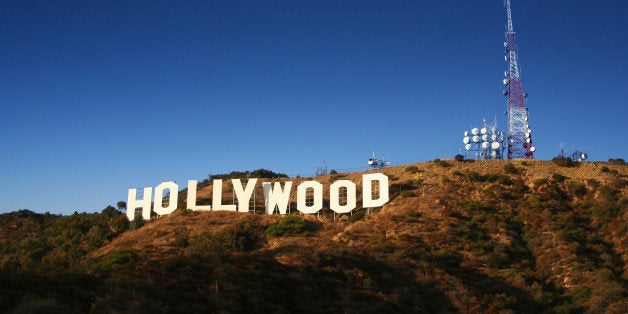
(457,236)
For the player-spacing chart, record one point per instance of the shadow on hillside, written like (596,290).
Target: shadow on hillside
(503,295)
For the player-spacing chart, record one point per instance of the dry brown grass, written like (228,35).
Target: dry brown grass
(430,198)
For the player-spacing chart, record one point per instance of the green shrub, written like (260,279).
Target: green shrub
(475,177)
(36,304)
(291,225)
(137,223)
(557,177)
(382,244)
(259,173)
(203,244)
(120,257)
(442,163)
(511,169)
(412,169)
(239,238)
(577,189)
(565,162)
(617,161)
(407,193)
(505,180)
(581,293)
(412,217)
(448,259)
(357,215)
(400,188)
(121,224)
(470,206)
(182,242)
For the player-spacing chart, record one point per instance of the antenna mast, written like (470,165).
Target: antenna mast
(519,132)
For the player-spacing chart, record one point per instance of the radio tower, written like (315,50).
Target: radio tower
(519,132)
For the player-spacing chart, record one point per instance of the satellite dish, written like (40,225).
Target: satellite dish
(585,156)
(532,149)
(495,145)
(475,131)
(505,81)
(378,163)
(466,133)
(476,139)
(505,92)
(528,140)
(485,137)
(494,154)
(505,73)
(506,58)
(483,130)
(494,137)
(525,95)
(485,145)
(467,147)
(527,135)
(466,140)
(505,44)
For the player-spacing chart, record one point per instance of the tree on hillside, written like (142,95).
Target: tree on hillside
(121,205)
(110,212)
(259,173)
(617,161)
(138,222)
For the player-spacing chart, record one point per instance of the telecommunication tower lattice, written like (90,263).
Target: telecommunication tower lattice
(519,132)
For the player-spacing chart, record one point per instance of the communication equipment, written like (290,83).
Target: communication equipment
(487,142)
(519,138)
(377,163)
(577,155)
(322,170)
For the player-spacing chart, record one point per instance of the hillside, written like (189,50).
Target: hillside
(483,236)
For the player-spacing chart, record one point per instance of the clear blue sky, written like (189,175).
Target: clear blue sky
(102,96)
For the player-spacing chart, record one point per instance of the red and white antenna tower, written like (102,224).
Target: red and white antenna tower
(519,132)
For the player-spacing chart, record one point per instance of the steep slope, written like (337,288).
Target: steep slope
(470,236)
(488,236)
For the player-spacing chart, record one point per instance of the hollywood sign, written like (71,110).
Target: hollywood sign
(275,197)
